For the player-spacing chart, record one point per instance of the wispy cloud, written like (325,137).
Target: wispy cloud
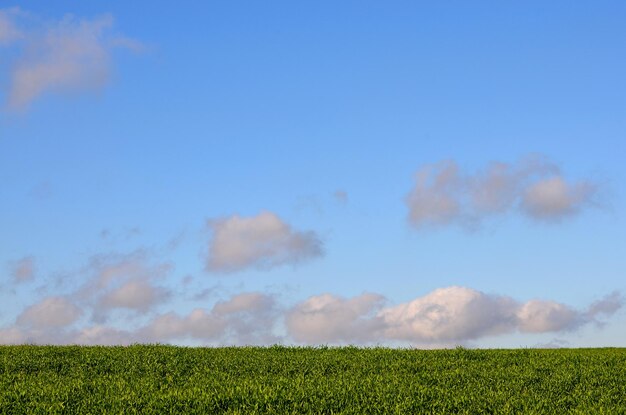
(68,55)
(444,195)
(263,241)
(341,196)
(23,270)
(122,282)
(9,32)
(246,318)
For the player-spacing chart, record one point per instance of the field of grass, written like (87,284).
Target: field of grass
(282,380)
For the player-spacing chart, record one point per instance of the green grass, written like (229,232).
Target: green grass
(350,380)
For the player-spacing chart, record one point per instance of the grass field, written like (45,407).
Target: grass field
(250,380)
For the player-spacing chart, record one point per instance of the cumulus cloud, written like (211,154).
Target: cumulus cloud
(72,54)
(554,198)
(328,319)
(540,316)
(122,282)
(52,312)
(449,314)
(246,318)
(23,270)
(263,242)
(243,319)
(444,316)
(534,186)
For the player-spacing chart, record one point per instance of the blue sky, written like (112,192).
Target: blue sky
(243,173)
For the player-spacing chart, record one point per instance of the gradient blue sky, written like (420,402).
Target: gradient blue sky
(211,110)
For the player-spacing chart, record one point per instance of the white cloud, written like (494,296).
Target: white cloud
(23,270)
(539,316)
(250,318)
(263,242)
(443,195)
(433,200)
(71,54)
(449,314)
(444,316)
(328,319)
(51,312)
(554,198)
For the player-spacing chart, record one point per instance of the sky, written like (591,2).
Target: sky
(403,174)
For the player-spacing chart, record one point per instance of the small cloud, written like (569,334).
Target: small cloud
(341,196)
(137,295)
(122,282)
(263,242)
(52,312)
(23,270)
(443,195)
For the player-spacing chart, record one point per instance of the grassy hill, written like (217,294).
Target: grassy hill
(155,379)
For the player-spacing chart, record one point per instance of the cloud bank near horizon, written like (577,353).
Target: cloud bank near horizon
(446,316)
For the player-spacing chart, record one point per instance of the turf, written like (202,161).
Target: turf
(155,379)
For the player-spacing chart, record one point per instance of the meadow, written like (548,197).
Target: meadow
(158,379)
